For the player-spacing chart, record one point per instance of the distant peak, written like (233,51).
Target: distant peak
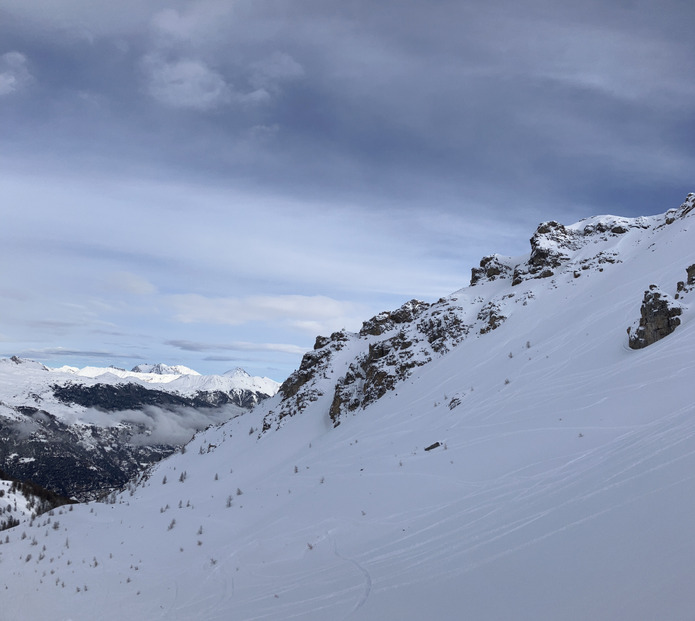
(163,369)
(24,361)
(238,372)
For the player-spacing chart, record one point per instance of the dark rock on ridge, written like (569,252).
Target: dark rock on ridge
(383,322)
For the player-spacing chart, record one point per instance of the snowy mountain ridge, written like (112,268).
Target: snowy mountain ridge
(164,369)
(502,453)
(31,382)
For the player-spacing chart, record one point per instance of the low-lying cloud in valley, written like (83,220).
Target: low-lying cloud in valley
(174,425)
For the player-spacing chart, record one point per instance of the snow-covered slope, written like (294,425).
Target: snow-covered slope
(500,454)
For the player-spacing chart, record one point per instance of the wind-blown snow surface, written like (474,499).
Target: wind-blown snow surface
(564,486)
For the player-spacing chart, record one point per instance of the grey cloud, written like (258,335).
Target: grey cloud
(56,353)
(396,102)
(240,346)
(47,323)
(321,311)
(278,68)
(82,18)
(185,83)
(171,426)
(14,73)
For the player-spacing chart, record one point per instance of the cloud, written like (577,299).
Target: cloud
(309,313)
(195,23)
(83,19)
(617,63)
(277,68)
(185,83)
(173,425)
(14,73)
(191,64)
(241,346)
(128,282)
(180,70)
(64,352)
(192,84)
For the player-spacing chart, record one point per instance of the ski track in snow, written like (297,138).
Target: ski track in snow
(367,581)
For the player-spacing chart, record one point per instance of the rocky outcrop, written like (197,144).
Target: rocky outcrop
(491,268)
(686,208)
(553,245)
(686,286)
(388,320)
(372,375)
(443,328)
(491,316)
(386,349)
(312,363)
(302,386)
(547,254)
(659,317)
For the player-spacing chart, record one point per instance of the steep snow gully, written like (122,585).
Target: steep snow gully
(559,484)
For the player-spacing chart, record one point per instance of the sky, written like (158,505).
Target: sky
(214,183)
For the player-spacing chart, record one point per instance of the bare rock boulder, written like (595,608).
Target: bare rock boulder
(659,316)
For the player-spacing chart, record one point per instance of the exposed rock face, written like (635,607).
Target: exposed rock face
(548,255)
(552,247)
(546,252)
(384,353)
(491,268)
(443,327)
(674,214)
(312,362)
(371,376)
(492,317)
(302,386)
(659,317)
(395,343)
(383,322)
